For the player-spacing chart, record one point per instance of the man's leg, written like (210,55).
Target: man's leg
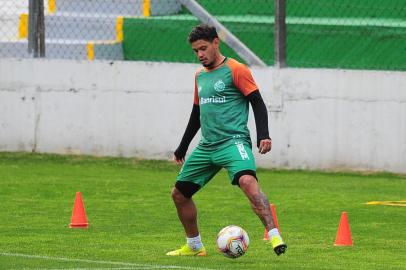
(260,205)
(258,200)
(195,173)
(187,213)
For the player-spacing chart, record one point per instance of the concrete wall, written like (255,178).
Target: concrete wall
(319,119)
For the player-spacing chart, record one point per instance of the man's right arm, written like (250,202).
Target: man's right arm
(192,128)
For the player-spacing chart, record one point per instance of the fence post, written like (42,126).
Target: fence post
(41,28)
(280,33)
(31,24)
(36,28)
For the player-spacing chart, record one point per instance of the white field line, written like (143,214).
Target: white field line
(120,268)
(130,265)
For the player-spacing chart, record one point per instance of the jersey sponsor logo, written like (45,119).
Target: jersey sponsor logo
(219,86)
(243,152)
(212,99)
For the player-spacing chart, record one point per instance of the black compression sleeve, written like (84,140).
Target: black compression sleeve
(192,127)
(260,114)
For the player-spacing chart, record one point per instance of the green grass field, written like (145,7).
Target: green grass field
(133,222)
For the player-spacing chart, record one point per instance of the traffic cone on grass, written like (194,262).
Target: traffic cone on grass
(343,237)
(79,219)
(275,220)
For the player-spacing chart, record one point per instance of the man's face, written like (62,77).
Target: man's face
(206,51)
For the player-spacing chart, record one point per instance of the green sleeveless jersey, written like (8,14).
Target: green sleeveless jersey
(220,94)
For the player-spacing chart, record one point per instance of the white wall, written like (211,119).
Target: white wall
(319,119)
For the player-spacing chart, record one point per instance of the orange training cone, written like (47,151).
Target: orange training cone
(343,237)
(275,220)
(79,219)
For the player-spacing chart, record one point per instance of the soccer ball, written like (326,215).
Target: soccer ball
(232,241)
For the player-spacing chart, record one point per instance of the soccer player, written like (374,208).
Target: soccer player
(223,90)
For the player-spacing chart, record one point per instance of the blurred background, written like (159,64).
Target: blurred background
(349,34)
(117,76)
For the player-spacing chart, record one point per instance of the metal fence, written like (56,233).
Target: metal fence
(354,34)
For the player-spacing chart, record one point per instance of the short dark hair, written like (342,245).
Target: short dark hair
(203,31)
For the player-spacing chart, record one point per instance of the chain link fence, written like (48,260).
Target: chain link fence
(353,34)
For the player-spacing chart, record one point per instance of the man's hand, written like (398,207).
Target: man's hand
(179,161)
(265,146)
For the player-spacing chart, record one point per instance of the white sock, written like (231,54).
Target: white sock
(273,232)
(194,242)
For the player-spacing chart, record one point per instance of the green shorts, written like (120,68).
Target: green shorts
(202,164)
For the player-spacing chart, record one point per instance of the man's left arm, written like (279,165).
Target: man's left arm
(264,142)
(244,81)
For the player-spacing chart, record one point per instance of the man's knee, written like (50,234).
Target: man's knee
(186,188)
(183,191)
(177,196)
(244,174)
(249,184)
(246,181)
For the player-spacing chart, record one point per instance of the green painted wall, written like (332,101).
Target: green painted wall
(165,39)
(311,8)
(321,33)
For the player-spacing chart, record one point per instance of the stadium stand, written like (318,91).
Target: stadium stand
(355,34)
(77,29)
